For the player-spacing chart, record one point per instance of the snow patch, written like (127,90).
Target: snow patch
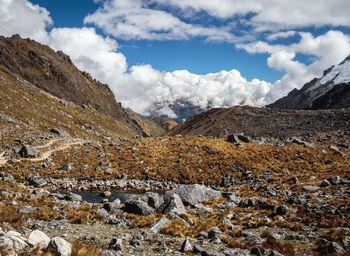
(339,74)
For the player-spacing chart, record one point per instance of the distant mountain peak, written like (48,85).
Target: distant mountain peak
(331,91)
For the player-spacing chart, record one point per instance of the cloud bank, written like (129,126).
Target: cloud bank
(140,86)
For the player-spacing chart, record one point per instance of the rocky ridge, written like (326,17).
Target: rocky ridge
(331,91)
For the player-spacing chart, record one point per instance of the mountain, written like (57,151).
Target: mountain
(263,122)
(55,73)
(179,110)
(331,91)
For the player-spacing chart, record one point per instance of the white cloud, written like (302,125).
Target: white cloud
(326,50)
(282,34)
(24,18)
(134,19)
(273,14)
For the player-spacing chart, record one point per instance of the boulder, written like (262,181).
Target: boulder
(138,206)
(159,225)
(38,239)
(174,204)
(186,246)
(35,180)
(28,151)
(73,197)
(13,243)
(193,194)
(60,247)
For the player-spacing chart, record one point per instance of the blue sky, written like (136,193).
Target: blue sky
(210,53)
(195,55)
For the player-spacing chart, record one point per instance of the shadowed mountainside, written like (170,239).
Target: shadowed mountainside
(263,122)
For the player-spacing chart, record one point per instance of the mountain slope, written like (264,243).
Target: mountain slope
(262,122)
(55,73)
(332,91)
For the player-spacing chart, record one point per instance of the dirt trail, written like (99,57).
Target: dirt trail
(51,142)
(48,153)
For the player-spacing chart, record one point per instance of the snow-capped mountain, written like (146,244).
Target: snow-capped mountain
(328,92)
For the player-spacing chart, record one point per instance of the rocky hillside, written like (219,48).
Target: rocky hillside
(263,122)
(55,73)
(332,91)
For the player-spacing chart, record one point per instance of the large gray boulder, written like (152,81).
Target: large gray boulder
(174,204)
(38,239)
(60,247)
(193,194)
(13,243)
(28,151)
(159,225)
(138,206)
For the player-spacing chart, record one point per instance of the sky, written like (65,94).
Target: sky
(216,53)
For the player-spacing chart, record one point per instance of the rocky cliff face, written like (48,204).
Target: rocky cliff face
(332,91)
(55,73)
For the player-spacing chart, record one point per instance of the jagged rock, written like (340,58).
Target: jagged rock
(310,188)
(282,209)
(203,210)
(301,142)
(66,167)
(28,151)
(6,177)
(256,251)
(27,209)
(116,244)
(73,197)
(253,238)
(275,253)
(38,239)
(172,203)
(209,252)
(194,194)
(214,233)
(233,138)
(159,225)
(334,247)
(152,199)
(186,246)
(60,246)
(35,180)
(111,253)
(334,180)
(325,183)
(59,132)
(138,206)
(13,243)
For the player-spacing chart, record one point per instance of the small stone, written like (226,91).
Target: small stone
(310,188)
(335,180)
(106,194)
(282,209)
(334,247)
(325,183)
(116,244)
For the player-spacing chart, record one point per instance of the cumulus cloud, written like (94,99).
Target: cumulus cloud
(326,50)
(22,17)
(134,19)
